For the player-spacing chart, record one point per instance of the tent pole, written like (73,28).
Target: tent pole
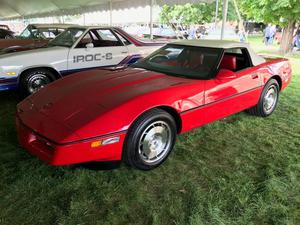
(110,12)
(217,13)
(151,19)
(225,11)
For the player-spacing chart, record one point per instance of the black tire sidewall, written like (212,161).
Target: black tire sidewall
(29,74)
(131,147)
(270,83)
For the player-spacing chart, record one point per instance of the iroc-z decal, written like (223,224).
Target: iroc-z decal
(92,58)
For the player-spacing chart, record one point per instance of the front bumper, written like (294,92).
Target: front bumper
(8,84)
(69,153)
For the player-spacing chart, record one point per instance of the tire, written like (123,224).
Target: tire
(35,79)
(143,148)
(266,106)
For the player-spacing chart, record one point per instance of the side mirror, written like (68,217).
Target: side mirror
(89,45)
(225,74)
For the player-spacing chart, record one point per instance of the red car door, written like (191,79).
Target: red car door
(229,95)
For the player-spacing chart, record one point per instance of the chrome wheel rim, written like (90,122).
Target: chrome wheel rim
(36,82)
(155,142)
(270,99)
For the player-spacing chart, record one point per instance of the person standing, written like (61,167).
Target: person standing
(242,35)
(192,33)
(272,34)
(267,34)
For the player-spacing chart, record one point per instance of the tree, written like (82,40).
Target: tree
(187,14)
(193,13)
(281,12)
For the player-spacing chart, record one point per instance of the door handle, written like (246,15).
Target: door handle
(254,76)
(125,52)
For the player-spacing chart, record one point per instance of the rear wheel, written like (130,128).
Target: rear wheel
(150,140)
(268,100)
(34,80)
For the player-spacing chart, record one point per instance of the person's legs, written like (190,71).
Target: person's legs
(266,40)
(271,40)
(298,42)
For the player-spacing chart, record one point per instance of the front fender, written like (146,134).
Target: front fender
(118,117)
(36,67)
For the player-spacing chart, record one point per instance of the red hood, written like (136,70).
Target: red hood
(101,88)
(78,99)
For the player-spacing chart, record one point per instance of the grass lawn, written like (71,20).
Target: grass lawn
(240,170)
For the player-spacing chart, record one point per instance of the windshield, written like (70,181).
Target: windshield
(185,61)
(32,33)
(68,37)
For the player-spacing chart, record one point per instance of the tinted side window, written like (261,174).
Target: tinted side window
(85,40)
(100,38)
(107,38)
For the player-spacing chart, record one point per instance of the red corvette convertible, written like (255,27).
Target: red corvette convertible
(134,114)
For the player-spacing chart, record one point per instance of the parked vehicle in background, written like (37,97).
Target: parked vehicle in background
(253,27)
(5,27)
(34,35)
(135,114)
(215,33)
(159,31)
(77,48)
(5,32)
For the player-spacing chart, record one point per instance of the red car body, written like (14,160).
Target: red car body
(61,123)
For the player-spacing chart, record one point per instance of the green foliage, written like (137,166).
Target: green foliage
(272,11)
(194,13)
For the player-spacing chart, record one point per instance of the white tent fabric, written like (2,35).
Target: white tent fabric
(17,9)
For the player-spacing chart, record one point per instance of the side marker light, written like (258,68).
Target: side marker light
(108,141)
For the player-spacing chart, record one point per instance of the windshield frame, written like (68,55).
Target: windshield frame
(85,31)
(29,28)
(212,73)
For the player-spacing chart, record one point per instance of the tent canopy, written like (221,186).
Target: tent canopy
(18,9)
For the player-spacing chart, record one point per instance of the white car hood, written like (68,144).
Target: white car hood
(32,52)
(32,58)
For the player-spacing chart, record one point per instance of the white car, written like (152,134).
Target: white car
(76,49)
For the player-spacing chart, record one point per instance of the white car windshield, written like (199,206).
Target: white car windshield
(68,37)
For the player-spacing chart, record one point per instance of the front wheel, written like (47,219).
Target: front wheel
(268,100)
(34,80)
(150,140)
